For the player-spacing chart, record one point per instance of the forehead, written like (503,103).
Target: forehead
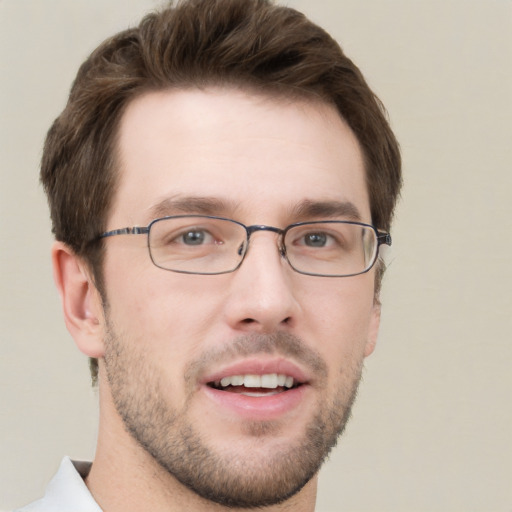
(258,156)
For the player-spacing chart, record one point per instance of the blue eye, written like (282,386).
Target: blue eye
(315,239)
(193,237)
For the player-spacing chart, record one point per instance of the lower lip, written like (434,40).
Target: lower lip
(261,408)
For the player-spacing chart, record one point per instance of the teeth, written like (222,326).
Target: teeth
(259,395)
(252,381)
(269,381)
(226,381)
(237,380)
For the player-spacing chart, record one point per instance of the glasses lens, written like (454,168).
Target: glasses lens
(331,248)
(196,244)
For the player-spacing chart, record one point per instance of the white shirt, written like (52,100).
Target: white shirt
(67,491)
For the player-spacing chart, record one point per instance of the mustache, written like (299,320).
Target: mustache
(279,343)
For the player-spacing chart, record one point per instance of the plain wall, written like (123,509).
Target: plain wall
(432,425)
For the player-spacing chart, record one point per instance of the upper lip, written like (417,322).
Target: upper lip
(259,366)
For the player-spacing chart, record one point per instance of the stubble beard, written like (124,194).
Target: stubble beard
(169,436)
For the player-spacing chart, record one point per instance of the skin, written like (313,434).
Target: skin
(164,332)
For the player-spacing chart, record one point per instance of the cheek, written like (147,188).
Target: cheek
(340,317)
(167,313)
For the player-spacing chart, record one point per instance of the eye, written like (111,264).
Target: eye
(195,237)
(316,239)
(319,238)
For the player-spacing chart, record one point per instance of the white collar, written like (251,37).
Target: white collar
(66,491)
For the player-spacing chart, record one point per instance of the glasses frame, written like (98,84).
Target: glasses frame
(382,237)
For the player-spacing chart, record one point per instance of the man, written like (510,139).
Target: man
(220,183)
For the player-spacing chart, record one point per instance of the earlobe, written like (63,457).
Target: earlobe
(81,301)
(373,331)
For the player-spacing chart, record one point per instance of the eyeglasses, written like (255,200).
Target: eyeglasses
(202,244)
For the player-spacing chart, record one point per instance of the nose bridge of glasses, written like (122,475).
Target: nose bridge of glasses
(261,227)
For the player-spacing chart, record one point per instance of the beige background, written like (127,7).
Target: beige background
(432,427)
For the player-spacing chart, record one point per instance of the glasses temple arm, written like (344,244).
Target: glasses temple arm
(383,238)
(135,230)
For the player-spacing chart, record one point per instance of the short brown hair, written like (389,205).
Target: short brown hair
(198,43)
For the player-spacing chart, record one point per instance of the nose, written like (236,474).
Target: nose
(261,292)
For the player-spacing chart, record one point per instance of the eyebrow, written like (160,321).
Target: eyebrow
(326,209)
(304,210)
(177,205)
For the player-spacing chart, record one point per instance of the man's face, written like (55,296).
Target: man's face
(171,338)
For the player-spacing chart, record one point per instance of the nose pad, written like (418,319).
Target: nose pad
(281,248)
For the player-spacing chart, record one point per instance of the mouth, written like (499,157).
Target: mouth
(258,389)
(254,385)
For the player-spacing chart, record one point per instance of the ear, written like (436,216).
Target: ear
(81,301)
(373,331)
